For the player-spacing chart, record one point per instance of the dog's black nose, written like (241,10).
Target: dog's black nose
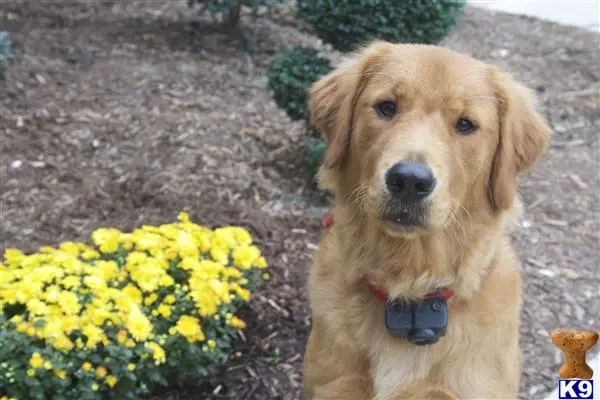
(410,181)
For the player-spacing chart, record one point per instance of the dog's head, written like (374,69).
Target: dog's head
(418,134)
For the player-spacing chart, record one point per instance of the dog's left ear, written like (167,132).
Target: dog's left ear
(524,136)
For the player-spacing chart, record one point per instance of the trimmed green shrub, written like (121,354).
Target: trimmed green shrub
(315,151)
(290,74)
(347,24)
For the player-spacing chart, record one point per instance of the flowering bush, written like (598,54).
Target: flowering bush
(131,312)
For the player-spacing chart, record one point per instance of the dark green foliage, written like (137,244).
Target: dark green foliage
(291,73)
(347,24)
(5,51)
(315,150)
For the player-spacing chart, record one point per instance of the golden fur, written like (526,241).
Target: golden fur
(464,244)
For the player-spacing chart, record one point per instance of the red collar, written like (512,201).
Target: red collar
(445,293)
(327,220)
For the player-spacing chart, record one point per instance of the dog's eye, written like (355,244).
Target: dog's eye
(465,126)
(386,109)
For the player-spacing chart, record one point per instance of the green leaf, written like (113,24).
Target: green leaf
(155,376)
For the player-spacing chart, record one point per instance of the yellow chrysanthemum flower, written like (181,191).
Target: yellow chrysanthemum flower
(63,343)
(225,238)
(86,366)
(186,246)
(261,263)
(68,302)
(189,263)
(237,323)
(108,269)
(133,293)
(37,307)
(158,353)
(245,256)
(36,360)
(219,254)
(138,324)
(70,248)
(71,282)
(60,373)
(204,240)
(165,310)
(150,299)
(94,335)
(188,327)
(126,240)
(13,257)
(90,254)
(241,235)
(31,331)
(111,381)
(96,283)
(101,371)
(148,240)
(170,299)
(183,217)
(107,239)
(122,336)
(166,281)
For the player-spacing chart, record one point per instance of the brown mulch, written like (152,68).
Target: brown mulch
(122,113)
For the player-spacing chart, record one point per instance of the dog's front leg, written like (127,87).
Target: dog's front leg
(344,388)
(423,391)
(333,368)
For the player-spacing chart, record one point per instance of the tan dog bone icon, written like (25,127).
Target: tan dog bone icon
(575,345)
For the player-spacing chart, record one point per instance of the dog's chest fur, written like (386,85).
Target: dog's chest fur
(355,318)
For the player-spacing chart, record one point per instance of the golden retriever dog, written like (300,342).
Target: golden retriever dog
(415,291)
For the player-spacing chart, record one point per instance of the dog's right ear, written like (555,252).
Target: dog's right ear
(332,100)
(331,106)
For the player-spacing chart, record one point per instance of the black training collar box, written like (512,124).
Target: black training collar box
(422,322)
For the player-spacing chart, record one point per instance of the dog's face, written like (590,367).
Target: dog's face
(420,134)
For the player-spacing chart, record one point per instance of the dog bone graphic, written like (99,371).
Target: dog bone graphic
(574,346)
